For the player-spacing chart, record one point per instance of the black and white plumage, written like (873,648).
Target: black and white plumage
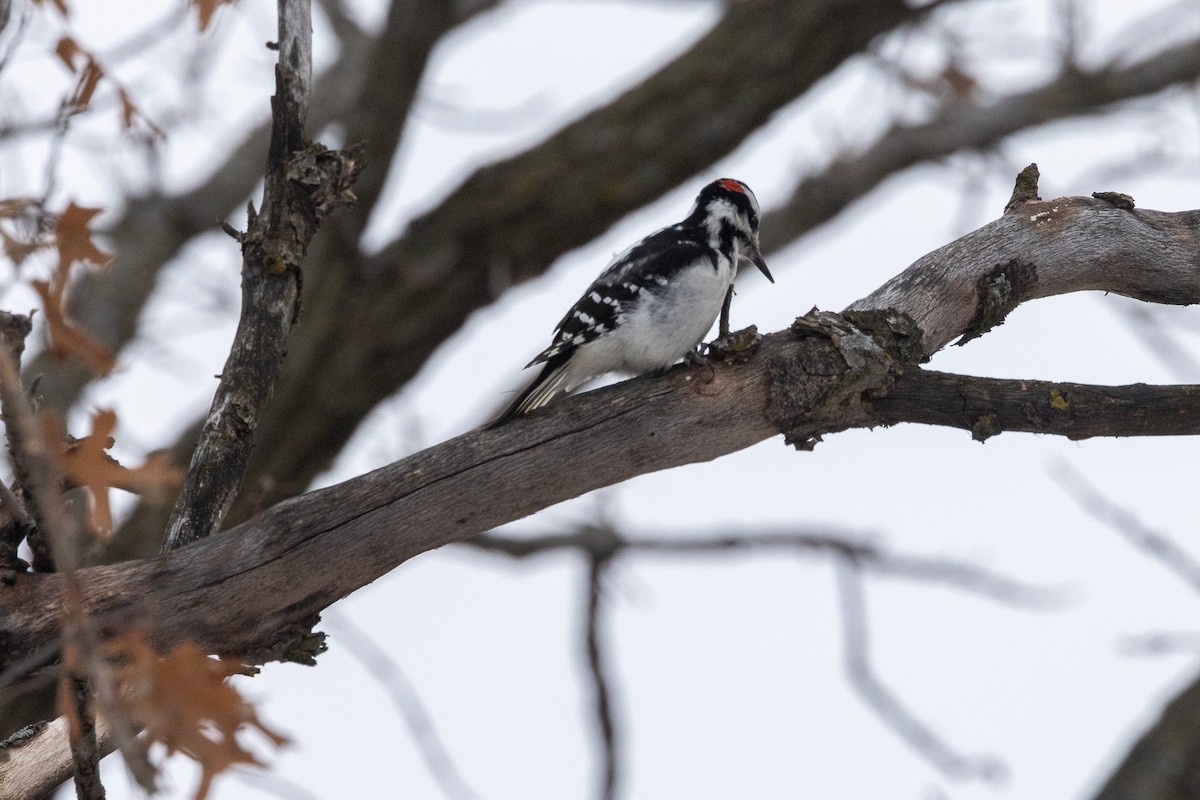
(654,302)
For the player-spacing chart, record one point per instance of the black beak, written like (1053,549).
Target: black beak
(757,258)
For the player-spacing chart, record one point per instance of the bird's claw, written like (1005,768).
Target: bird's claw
(697,358)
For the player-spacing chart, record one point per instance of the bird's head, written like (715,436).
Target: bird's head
(729,205)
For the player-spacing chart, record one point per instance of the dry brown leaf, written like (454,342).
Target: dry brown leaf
(86,464)
(132,117)
(79,60)
(17,250)
(16,206)
(74,243)
(207,8)
(65,337)
(61,5)
(184,702)
(74,240)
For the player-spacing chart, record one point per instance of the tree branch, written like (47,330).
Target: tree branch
(889,708)
(233,594)
(1162,764)
(304,183)
(299,439)
(603,541)
(1157,545)
(76,696)
(970,123)
(509,221)
(988,406)
(1044,248)
(16,522)
(407,702)
(38,758)
(600,678)
(455,259)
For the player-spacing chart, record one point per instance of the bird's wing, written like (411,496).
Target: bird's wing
(647,266)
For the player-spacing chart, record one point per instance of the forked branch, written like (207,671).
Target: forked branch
(234,593)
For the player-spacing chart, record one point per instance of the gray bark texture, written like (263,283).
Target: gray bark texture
(248,591)
(255,590)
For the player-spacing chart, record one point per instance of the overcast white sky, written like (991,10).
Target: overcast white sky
(730,680)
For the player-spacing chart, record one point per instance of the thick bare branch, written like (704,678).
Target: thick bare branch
(1043,248)
(38,758)
(304,183)
(967,122)
(234,593)
(509,221)
(1162,764)
(988,406)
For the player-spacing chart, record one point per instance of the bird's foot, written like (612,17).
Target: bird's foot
(697,358)
(736,347)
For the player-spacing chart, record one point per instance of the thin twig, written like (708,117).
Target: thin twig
(1160,643)
(1124,522)
(38,473)
(600,539)
(273,783)
(601,691)
(890,709)
(76,700)
(407,702)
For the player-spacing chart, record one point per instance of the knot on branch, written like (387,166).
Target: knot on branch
(326,176)
(1025,190)
(1115,199)
(819,387)
(296,642)
(14,328)
(998,292)
(737,347)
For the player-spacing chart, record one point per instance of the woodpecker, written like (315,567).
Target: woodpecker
(654,302)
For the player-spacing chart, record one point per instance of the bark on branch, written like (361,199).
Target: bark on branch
(299,439)
(510,220)
(969,123)
(234,593)
(36,759)
(304,183)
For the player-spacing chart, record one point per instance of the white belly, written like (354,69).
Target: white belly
(661,329)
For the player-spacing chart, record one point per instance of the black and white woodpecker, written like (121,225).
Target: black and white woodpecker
(654,302)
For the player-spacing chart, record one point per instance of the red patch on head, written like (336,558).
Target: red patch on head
(731,185)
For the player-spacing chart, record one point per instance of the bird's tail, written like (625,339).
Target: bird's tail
(550,382)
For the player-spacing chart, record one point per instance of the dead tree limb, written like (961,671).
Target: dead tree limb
(826,374)
(234,593)
(304,183)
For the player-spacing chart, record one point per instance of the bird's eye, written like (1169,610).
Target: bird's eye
(753,220)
